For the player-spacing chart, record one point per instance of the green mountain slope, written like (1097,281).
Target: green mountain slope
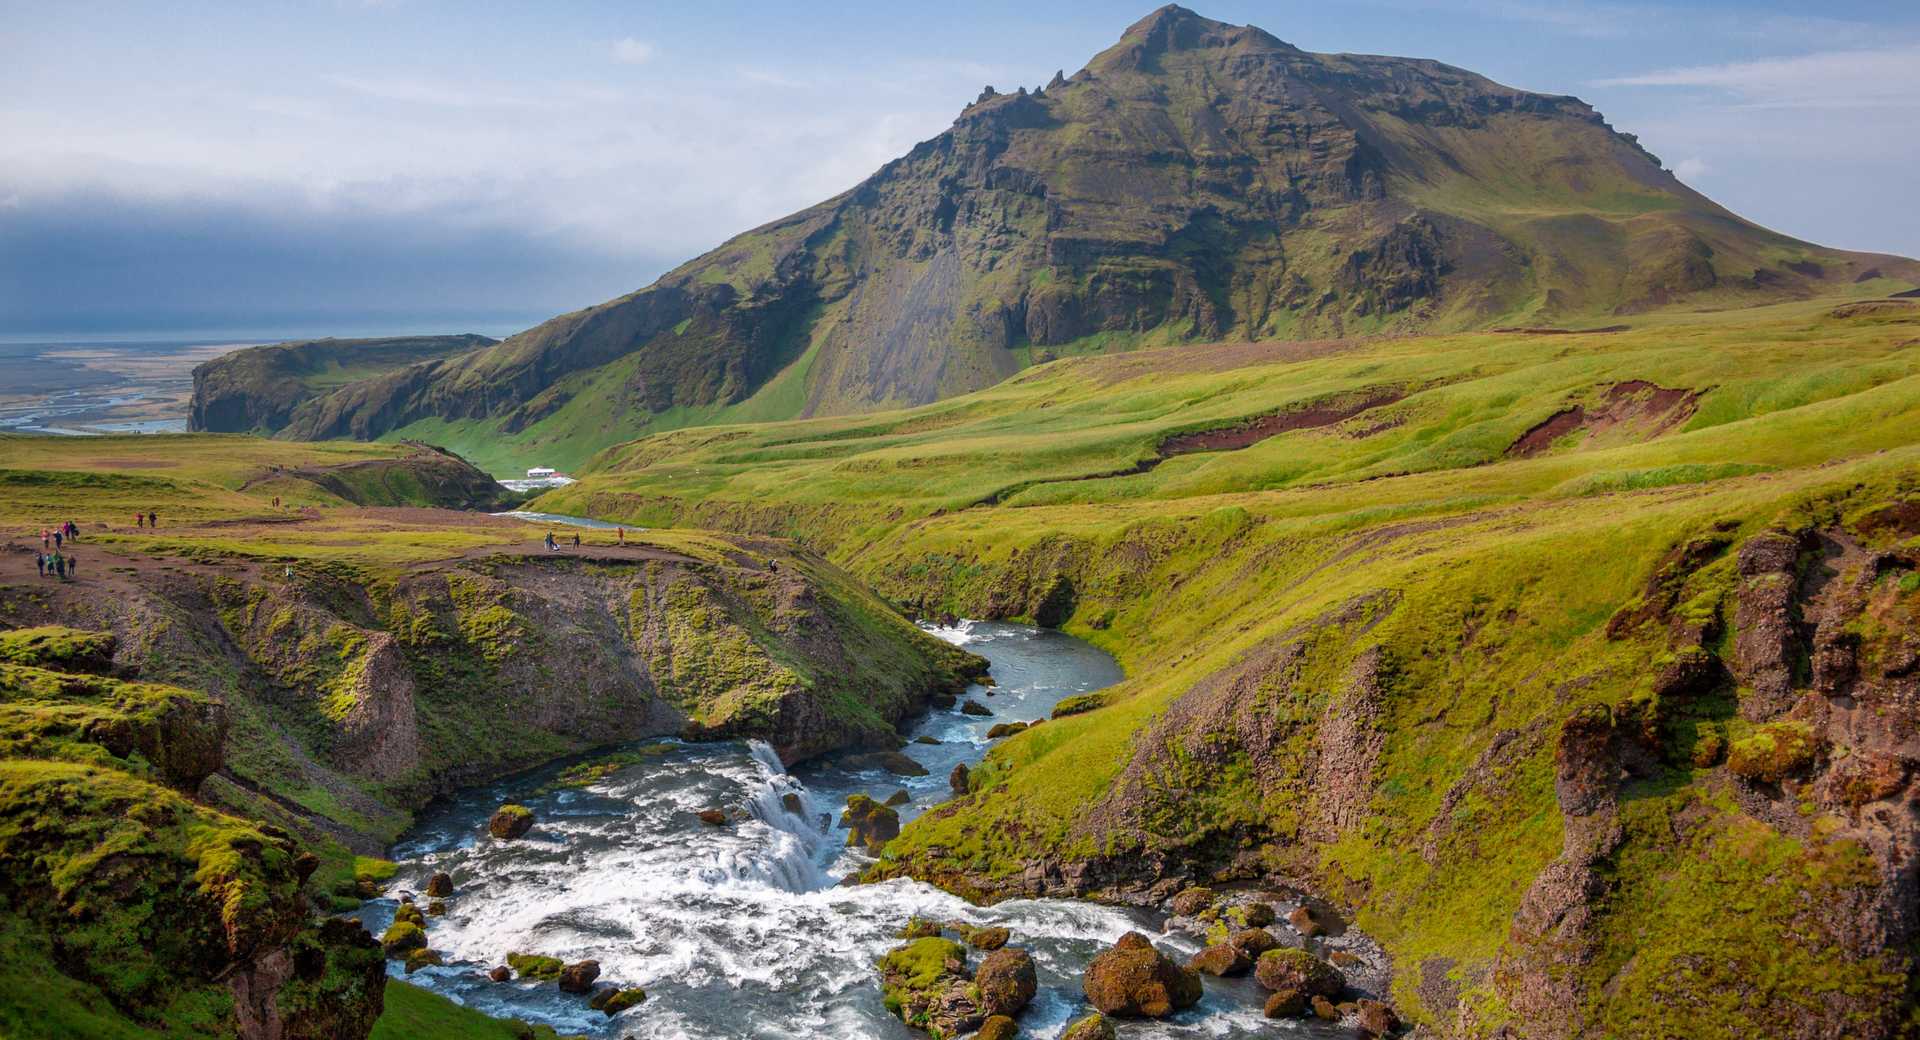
(1195,182)
(1579,670)
(256,389)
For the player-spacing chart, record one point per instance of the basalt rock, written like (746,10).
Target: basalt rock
(998,1027)
(510,822)
(1297,976)
(1192,901)
(712,817)
(869,823)
(499,973)
(957,779)
(578,977)
(440,885)
(1302,921)
(1092,1027)
(898,798)
(1252,941)
(1221,959)
(1131,979)
(1006,981)
(973,707)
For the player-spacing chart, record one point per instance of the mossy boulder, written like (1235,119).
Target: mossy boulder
(869,823)
(1221,959)
(417,959)
(612,1001)
(998,1027)
(510,821)
(1376,1018)
(402,938)
(410,914)
(988,938)
(1092,1027)
(1131,979)
(1006,729)
(918,928)
(1296,977)
(1252,914)
(1192,901)
(1006,981)
(440,885)
(1252,941)
(926,983)
(1774,752)
(535,966)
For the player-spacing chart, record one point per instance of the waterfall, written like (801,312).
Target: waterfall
(800,838)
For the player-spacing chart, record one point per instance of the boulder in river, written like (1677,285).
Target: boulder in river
(791,802)
(500,973)
(1092,1027)
(869,823)
(1193,900)
(420,958)
(926,983)
(989,938)
(535,966)
(437,908)
(410,914)
(402,938)
(578,977)
(440,885)
(713,817)
(1006,981)
(1221,959)
(973,707)
(1252,941)
(900,797)
(510,821)
(1251,915)
(918,928)
(900,764)
(1131,979)
(998,1027)
(613,1000)
(924,739)
(958,778)
(1297,977)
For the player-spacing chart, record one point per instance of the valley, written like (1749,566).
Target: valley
(1232,542)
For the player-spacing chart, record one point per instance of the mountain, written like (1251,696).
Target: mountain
(1197,181)
(259,387)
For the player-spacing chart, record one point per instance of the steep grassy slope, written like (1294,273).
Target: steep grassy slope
(1579,668)
(256,389)
(1195,182)
(211,699)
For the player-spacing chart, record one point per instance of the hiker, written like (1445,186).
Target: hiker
(40,563)
(60,565)
(46,538)
(57,536)
(576,539)
(153,518)
(139,519)
(72,567)
(620,534)
(73,531)
(551,547)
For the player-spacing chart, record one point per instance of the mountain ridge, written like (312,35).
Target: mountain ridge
(1196,181)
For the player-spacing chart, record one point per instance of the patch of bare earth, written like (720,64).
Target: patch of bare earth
(1251,432)
(1636,402)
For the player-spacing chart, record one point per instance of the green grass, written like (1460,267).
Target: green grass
(413,1013)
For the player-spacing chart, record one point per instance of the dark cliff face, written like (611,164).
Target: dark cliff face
(258,388)
(1196,181)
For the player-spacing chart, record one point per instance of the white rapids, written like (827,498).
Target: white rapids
(744,930)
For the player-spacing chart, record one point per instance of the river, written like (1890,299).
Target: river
(744,930)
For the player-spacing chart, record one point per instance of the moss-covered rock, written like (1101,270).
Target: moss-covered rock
(58,647)
(918,928)
(998,1027)
(536,966)
(1221,959)
(1296,976)
(869,823)
(402,938)
(926,983)
(1774,752)
(1131,979)
(440,885)
(1006,981)
(578,977)
(510,821)
(1191,901)
(612,1001)
(1092,1027)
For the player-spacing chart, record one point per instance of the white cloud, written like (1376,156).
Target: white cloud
(630,51)
(1825,79)
(1691,169)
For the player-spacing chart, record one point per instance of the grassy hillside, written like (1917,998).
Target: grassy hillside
(211,732)
(1195,182)
(1576,666)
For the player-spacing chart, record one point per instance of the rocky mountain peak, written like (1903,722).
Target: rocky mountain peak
(1174,28)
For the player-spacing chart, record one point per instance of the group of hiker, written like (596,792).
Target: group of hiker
(553,545)
(150,519)
(56,551)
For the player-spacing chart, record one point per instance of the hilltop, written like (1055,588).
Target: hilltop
(257,389)
(1195,182)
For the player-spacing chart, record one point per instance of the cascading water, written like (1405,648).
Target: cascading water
(742,930)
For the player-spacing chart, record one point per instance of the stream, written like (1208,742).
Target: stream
(744,930)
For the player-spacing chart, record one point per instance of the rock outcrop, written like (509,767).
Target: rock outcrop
(1131,979)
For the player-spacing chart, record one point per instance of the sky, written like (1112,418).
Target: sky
(364,166)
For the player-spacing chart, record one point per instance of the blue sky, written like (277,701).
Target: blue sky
(410,164)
